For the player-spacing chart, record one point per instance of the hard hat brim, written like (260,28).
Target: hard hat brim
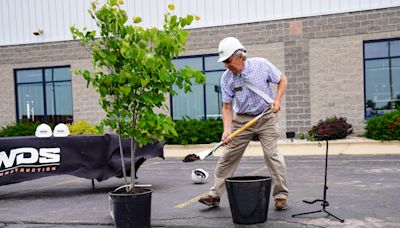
(223,58)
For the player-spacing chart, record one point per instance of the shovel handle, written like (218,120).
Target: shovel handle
(247,125)
(207,153)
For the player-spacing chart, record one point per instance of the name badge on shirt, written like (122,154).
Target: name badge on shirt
(237,89)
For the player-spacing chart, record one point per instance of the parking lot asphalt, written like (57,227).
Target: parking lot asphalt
(363,190)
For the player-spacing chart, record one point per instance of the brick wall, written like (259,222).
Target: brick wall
(42,52)
(7,101)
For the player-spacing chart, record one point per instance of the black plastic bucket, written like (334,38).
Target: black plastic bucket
(248,198)
(131,210)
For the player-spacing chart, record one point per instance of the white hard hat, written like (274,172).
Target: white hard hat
(199,176)
(61,130)
(43,131)
(227,47)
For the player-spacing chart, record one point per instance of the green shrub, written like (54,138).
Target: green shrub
(81,127)
(28,128)
(22,128)
(333,128)
(301,135)
(192,131)
(385,127)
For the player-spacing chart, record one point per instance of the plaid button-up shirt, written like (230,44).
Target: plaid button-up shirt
(258,71)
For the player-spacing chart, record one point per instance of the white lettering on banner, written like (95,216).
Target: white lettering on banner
(21,159)
(49,155)
(29,155)
(8,161)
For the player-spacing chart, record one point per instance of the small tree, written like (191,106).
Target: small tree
(133,71)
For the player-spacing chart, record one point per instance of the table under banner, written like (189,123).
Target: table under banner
(87,156)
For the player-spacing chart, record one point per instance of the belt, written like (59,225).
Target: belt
(250,114)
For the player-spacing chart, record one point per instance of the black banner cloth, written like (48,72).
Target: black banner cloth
(87,156)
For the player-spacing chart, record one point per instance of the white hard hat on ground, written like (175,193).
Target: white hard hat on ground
(227,47)
(199,176)
(61,130)
(43,131)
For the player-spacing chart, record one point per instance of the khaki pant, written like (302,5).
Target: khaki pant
(266,129)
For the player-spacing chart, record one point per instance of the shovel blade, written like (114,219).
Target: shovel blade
(201,155)
(207,153)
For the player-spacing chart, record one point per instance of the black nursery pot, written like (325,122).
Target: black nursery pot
(131,209)
(248,198)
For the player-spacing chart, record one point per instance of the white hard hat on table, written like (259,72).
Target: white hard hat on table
(61,130)
(43,131)
(227,47)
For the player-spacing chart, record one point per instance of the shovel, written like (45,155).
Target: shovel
(207,153)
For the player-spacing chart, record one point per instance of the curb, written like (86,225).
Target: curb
(354,146)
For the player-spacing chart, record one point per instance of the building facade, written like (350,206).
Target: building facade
(341,63)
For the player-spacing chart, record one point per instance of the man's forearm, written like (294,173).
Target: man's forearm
(227,117)
(281,88)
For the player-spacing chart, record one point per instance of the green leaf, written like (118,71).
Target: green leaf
(111,58)
(189,19)
(144,81)
(125,91)
(112,2)
(137,20)
(173,21)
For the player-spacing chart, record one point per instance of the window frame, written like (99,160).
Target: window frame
(203,57)
(43,84)
(389,58)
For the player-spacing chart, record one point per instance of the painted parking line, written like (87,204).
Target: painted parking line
(187,203)
(195,199)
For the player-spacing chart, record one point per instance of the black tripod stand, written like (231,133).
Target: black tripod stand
(324,203)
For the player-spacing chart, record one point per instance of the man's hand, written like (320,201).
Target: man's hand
(276,107)
(226,137)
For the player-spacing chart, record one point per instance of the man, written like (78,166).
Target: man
(247,104)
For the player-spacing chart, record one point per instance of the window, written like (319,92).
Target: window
(381,76)
(44,94)
(205,100)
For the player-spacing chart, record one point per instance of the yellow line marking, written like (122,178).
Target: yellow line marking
(187,203)
(195,199)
